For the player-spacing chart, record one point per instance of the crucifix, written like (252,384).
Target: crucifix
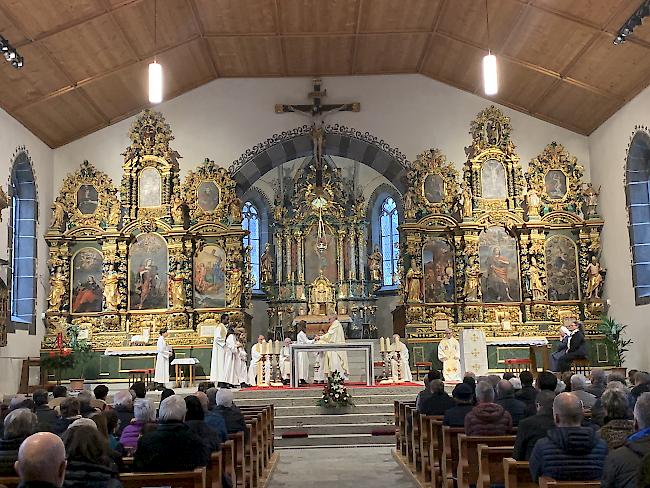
(317,111)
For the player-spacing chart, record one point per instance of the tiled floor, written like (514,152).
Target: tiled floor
(359,467)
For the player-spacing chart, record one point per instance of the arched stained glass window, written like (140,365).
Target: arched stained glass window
(23,243)
(389,239)
(251,223)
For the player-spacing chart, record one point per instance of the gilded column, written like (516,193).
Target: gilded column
(287,243)
(300,264)
(278,257)
(339,254)
(352,269)
(361,234)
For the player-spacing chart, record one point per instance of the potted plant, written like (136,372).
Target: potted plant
(614,333)
(70,353)
(335,398)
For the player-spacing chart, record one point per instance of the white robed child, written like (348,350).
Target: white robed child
(303,357)
(449,355)
(285,361)
(399,360)
(235,355)
(335,360)
(218,360)
(263,370)
(164,352)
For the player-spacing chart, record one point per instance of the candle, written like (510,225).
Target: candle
(267,347)
(389,346)
(277,347)
(382,344)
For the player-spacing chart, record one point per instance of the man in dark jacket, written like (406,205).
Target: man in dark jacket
(598,380)
(69,413)
(569,452)
(487,418)
(46,416)
(438,402)
(426,393)
(533,428)
(231,414)
(455,416)
(641,385)
(41,461)
(528,393)
(18,425)
(172,446)
(546,381)
(622,465)
(506,398)
(213,418)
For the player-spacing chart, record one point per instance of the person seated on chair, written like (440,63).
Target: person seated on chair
(576,347)
(560,351)
(569,452)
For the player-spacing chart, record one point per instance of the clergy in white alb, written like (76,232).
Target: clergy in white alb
(449,355)
(258,366)
(240,361)
(163,353)
(303,357)
(399,360)
(335,360)
(232,359)
(217,362)
(285,361)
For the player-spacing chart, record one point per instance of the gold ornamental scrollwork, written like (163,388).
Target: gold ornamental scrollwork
(208,193)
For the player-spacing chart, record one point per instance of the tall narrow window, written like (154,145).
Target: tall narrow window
(389,238)
(251,223)
(23,243)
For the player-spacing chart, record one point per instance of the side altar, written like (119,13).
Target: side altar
(497,249)
(155,253)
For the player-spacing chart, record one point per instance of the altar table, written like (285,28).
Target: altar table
(179,363)
(537,343)
(366,347)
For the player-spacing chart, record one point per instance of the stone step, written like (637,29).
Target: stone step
(262,394)
(336,440)
(309,401)
(313,410)
(348,418)
(334,429)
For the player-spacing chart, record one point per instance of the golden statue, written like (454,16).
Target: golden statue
(594,278)
(114,213)
(414,279)
(111,291)
(472,289)
(57,289)
(266,265)
(374,264)
(536,286)
(467,202)
(178,216)
(234,287)
(235,209)
(590,196)
(177,289)
(58,214)
(409,205)
(533,203)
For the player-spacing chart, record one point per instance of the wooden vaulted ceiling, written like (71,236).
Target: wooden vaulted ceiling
(86,60)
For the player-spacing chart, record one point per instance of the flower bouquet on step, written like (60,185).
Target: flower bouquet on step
(335,394)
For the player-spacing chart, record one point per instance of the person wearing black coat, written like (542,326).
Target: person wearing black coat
(576,349)
(528,393)
(506,398)
(172,446)
(46,415)
(195,420)
(533,428)
(455,416)
(438,402)
(231,414)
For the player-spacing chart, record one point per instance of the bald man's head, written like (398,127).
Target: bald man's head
(567,410)
(41,457)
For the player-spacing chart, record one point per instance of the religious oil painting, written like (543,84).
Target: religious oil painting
(209,277)
(438,261)
(87,199)
(434,188)
(149,188)
(561,268)
(555,183)
(320,255)
(493,180)
(86,295)
(208,196)
(499,265)
(148,273)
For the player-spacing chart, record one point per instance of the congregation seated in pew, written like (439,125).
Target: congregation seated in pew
(487,417)
(506,398)
(463,396)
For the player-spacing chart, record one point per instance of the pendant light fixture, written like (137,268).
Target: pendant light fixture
(490,84)
(155,69)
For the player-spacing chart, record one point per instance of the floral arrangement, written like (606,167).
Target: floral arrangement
(70,352)
(615,335)
(335,395)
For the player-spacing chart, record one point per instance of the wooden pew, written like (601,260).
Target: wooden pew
(398,426)
(251,453)
(551,483)
(517,474)
(214,471)
(181,479)
(467,471)
(10,481)
(240,458)
(228,462)
(414,443)
(430,448)
(490,465)
(449,455)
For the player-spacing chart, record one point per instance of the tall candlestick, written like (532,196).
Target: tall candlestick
(382,344)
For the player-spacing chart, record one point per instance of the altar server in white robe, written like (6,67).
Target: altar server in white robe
(449,355)
(335,360)
(257,353)
(303,357)
(399,360)
(164,352)
(285,361)
(217,362)
(240,361)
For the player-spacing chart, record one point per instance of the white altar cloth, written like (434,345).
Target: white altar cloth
(131,350)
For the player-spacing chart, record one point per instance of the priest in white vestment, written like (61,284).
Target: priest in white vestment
(449,355)
(217,362)
(256,367)
(233,359)
(335,360)
(399,360)
(285,361)
(164,352)
(303,357)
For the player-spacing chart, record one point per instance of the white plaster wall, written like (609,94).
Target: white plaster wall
(21,344)
(222,119)
(608,154)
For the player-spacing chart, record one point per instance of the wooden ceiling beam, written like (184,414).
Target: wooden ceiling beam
(434,28)
(196,18)
(120,31)
(278,33)
(355,41)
